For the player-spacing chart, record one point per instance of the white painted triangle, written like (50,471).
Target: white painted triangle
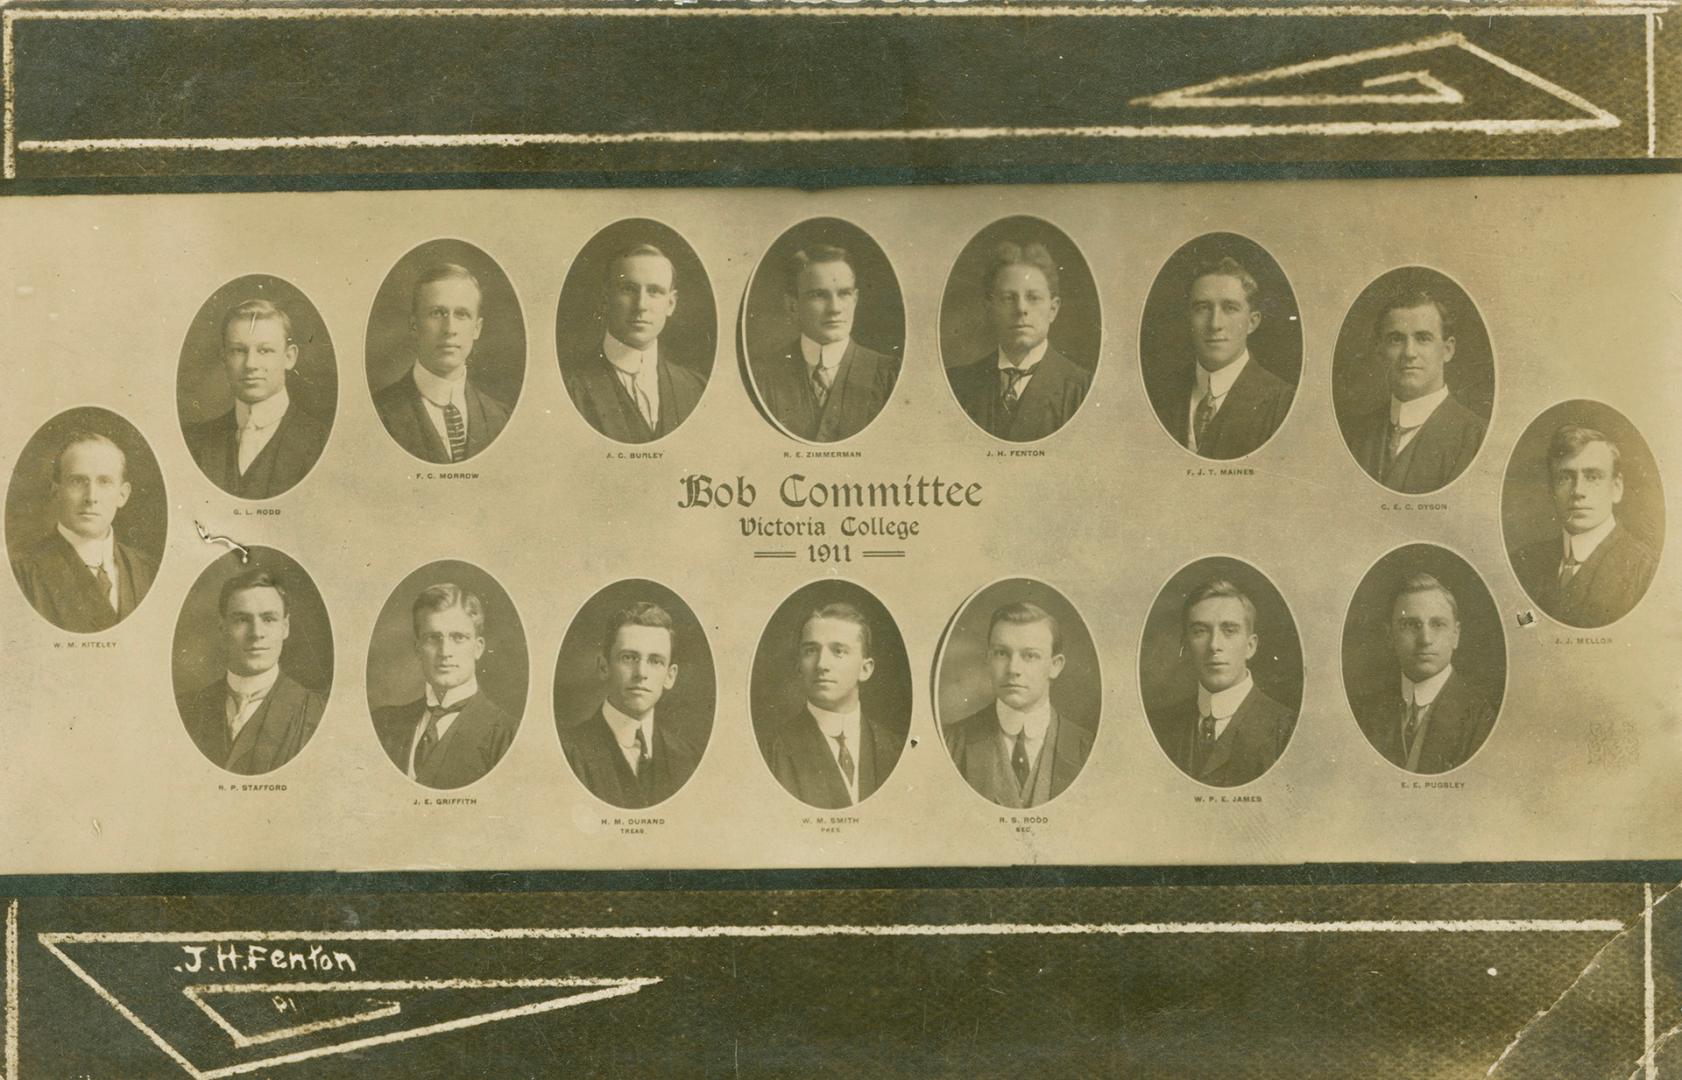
(1415,86)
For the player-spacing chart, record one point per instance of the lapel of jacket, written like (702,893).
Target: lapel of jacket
(1240,399)
(477,422)
(1581,586)
(1227,741)
(811,750)
(669,405)
(606,746)
(986,749)
(834,408)
(1424,449)
(871,744)
(260,475)
(1448,722)
(221,454)
(458,743)
(257,747)
(432,446)
(1046,383)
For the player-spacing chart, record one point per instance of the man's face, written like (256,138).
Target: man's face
(1425,633)
(1221,642)
(449,648)
(253,630)
(1584,489)
(825,298)
(445,324)
(638,669)
(640,298)
(1021,307)
(90,488)
(1221,320)
(1414,351)
(1022,663)
(833,664)
(256,357)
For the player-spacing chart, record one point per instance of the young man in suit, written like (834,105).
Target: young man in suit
(1440,718)
(1231,732)
(620,753)
(1226,404)
(1423,438)
(266,443)
(1025,389)
(1020,751)
(630,389)
(256,717)
(435,411)
(454,734)
(831,754)
(824,386)
(80,577)
(1594,570)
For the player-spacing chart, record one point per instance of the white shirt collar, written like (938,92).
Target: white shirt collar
(1029,362)
(1034,721)
(1219,382)
(101,552)
(1582,545)
(442,392)
(827,355)
(1424,693)
(625,727)
(1223,704)
(249,686)
(1410,414)
(264,414)
(626,360)
(459,693)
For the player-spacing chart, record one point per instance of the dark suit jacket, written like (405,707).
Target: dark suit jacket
(975,747)
(474,744)
(601,398)
(290,454)
(1459,721)
(594,755)
(1440,451)
(800,760)
(59,586)
(1254,408)
(279,728)
(403,412)
(1247,747)
(864,381)
(1604,589)
(1053,394)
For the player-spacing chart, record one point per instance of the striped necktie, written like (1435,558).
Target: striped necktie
(456,426)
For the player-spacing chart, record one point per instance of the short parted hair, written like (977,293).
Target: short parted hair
(1570,440)
(1416,297)
(812,255)
(846,613)
(1423,582)
(1225,266)
(633,252)
(252,310)
(1022,613)
(1215,588)
(77,438)
(255,578)
(1010,253)
(445,272)
(641,613)
(446,596)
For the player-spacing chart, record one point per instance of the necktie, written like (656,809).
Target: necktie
(237,700)
(642,754)
(429,737)
(822,379)
(1019,758)
(1393,446)
(1568,569)
(1205,413)
(103,580)
(645,401)
(1205,739)
(457,429)
(844,759)
(1410,726)
(1009,395)
(247,446)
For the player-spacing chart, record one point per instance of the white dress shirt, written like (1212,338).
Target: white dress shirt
(246,693)
(828,356)
(1424,693)
(445,723)
(1581,545)
(625,730)
(1222,705)
(97,553)
(833,724)
(1032,724)
(1027,366)
(639,373)
(437,393)
(1407,416)
(257,424)
(1212,384)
